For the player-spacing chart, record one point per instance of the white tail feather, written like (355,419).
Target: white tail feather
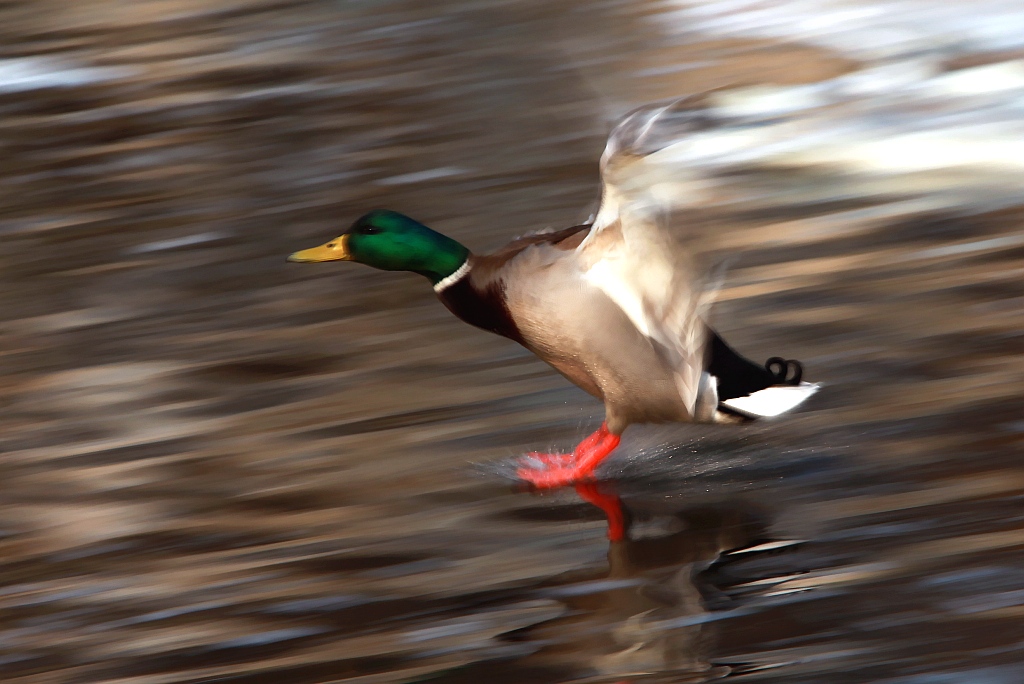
(772,401)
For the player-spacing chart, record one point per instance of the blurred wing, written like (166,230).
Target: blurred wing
(643,249)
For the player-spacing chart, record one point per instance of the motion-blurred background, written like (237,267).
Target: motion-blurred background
(220,467)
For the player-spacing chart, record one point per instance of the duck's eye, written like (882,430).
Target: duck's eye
(368,230)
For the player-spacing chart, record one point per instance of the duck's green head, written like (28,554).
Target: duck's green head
(392,242)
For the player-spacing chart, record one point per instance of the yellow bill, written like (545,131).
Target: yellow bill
(335,250)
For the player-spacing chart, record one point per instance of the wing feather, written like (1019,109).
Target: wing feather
(643,251)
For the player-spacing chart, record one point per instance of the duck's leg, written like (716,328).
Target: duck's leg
(564,469)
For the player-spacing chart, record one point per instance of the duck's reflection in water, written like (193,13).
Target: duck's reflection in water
(645,619)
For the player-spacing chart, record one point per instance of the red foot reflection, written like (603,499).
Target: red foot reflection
(609,502)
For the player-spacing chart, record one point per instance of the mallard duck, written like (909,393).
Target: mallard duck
(618,305)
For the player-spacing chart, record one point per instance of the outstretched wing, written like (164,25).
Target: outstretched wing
(645,250)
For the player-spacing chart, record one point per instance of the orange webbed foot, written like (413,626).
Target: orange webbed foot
(547,471)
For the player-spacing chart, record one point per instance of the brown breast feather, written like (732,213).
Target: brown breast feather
(479,298)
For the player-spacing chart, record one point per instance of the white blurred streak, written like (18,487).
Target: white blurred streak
(33,73)
(864,30)
(957,136)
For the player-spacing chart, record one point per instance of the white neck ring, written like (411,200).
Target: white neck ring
(449,280)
